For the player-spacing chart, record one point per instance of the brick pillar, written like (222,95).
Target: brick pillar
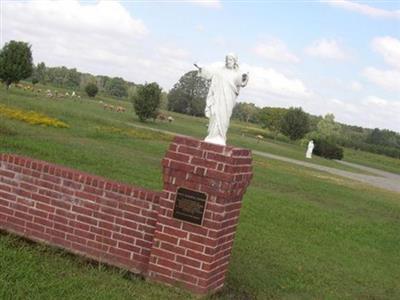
(191,248)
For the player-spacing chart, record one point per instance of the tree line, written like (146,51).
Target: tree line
(16,64)
(188,96)
(73,79)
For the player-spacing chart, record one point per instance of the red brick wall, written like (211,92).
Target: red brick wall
(131,227)
(86,214)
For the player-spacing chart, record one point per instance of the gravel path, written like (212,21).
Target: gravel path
(385,180)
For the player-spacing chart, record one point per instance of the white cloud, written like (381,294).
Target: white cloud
(275,50)
(365,9)
(326,48)
(389,79)
(381,113)
(267,82)
(389,48)
(374,100)
(105,17)
(100,38)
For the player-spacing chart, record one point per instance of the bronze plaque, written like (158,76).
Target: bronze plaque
(189,206)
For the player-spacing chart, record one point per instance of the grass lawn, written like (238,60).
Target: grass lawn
(303,234)
(372,160)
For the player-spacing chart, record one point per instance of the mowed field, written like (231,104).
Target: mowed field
(303,234)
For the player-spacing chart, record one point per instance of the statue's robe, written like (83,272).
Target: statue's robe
(221,98)
(310,149)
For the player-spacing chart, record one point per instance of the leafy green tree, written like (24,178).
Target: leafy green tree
(56,75)
(383,137)
(146,101)
(328,129)
(116,87)
(132,91)
(246,112)
(164,101)
(91,89)
(15,62)
(271,118)
(188,96)
(102,82)
(295,123)
(314,120)
(375,137)
(34,80)
(85,79)
(40,72)
(72,78)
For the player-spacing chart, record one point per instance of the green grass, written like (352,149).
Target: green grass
(307,235)
(33,271)
(303,234)
(372,160)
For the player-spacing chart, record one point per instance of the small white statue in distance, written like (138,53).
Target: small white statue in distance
(226,82)
(310,149)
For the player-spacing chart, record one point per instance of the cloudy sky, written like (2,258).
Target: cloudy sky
(338,56)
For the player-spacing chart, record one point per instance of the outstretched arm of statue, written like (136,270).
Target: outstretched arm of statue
(204,72)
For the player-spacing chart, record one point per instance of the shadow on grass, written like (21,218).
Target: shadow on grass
(45,249)
(229,292)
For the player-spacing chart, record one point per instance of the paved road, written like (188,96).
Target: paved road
(384,180)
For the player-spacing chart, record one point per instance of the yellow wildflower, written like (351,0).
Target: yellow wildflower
(30,117)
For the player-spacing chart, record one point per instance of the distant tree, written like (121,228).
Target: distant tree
(146,101)
(85,79)
(15,62)
(189,95)
(132,90)
(72,78)
(246,112)
(91,89)
(271,117)
(102,82)
(314,120)
(384,138)
(375,137)
(40,72)
(328,129)
(295,123)
(34,80)
(164,101)
(56,75)
(116,87)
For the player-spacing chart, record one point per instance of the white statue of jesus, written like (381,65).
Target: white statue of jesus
(224,89)
(310,149)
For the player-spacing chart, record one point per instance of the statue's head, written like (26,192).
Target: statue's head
(231,61)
